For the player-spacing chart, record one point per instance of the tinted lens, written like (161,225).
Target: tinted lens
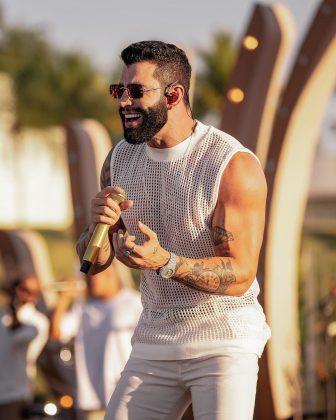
(114,91)
(135,91)
(120,91)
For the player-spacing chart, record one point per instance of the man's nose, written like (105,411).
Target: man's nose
(125,99)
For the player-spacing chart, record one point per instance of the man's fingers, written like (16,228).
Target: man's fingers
(105,209)
(108,212)
(123,247)
(108,191)
(106,201)
(105,214)
(148,233)
(98,218)
(127,204)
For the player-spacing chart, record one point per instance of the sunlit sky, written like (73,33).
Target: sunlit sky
(102,28)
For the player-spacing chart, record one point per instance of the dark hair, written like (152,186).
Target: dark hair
(172,62)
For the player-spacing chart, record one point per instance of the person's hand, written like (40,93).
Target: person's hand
(147,256)
(106,210)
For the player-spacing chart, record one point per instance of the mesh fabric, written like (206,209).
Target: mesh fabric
(176,199)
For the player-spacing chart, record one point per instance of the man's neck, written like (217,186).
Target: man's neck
(173,133)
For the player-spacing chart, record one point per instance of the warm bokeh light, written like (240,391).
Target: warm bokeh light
(50,409)
(235,95)
(66,401)
(331,329)
(250,42)
(65,355)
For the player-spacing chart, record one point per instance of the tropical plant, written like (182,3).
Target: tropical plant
(211,82)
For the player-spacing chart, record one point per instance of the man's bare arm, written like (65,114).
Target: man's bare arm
(101,205)
(237,231)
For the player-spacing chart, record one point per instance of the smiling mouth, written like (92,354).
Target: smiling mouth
(132,119)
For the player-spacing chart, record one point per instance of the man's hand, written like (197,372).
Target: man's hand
(147,256)
(106,210)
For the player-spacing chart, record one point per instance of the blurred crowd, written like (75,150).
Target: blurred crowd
(65,362)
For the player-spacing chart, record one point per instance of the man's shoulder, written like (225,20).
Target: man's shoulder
(244,175)
(215,137)
(126,150)
(218,147)
(223,136)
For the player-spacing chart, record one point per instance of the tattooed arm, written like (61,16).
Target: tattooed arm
(103,210)
(237,232)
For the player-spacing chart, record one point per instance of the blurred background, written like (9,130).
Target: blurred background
(56,62)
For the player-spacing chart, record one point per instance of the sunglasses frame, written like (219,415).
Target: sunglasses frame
(115,93)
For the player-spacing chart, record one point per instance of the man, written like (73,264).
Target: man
(193,224)
(102,327)
(23,334)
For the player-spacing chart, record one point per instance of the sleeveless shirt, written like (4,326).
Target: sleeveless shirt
(176,198)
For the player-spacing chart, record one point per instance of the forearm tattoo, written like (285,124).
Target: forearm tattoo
(211,280)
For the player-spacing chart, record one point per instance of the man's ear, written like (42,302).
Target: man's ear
(172,93)
(172,97)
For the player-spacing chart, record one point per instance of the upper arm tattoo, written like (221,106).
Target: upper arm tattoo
(220,235)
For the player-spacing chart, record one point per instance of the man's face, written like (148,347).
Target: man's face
(142,118)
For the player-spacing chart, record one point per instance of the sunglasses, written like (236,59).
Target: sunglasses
(134,90)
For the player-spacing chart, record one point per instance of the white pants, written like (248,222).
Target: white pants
(220,388)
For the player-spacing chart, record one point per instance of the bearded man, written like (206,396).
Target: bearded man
(193,224)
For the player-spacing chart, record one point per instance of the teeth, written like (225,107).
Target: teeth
(132,115)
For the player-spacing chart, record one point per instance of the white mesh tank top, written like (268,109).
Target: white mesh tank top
(176,199)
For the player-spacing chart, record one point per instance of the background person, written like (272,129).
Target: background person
(23,334)
(102,326)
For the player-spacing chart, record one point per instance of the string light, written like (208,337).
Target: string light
(65,354)
(235,95)
(250,42)
(50,409)
(66,401)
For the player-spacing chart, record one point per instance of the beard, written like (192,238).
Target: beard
(153,119)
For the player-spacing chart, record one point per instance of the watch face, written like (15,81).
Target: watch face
(167,273)
(168,270)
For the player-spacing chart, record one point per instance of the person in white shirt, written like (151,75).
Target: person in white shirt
(102,326)
(193,224)
(23,334)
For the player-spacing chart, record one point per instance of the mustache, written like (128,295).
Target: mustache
(132,109)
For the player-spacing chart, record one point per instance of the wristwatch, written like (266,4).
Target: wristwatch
(168,270)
